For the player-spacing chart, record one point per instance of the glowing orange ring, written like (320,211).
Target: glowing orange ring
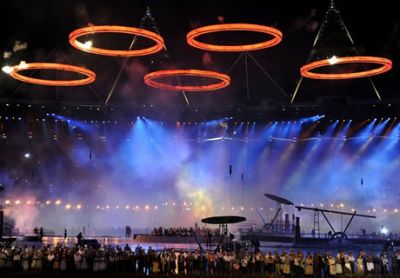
(385,65)
(73,40)
(151,80)
(192,35)
(90,75)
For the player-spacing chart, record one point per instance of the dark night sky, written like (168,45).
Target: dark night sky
(45,26)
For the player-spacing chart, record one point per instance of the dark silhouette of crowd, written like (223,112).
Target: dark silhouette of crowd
(184,231)
(197,262)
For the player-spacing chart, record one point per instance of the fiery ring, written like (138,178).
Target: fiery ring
(75,35)
(385,65)
(151,80)
(191,37)
(14,73)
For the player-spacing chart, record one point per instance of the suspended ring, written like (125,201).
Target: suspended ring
(192,36)
(385,65)
(151,80)
(75,35)
(15,73)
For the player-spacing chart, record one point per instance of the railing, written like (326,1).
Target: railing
(354,236)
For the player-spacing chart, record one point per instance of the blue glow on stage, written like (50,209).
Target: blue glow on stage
(143,167)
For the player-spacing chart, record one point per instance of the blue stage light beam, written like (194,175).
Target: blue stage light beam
(238,130)
(367,130)
(380,127)
(284,130)
(295,130)
(311,119)
(218,122)
(269,131)
(72,124)
(252,133)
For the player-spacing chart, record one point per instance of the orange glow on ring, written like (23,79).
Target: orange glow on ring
(192,35)
(151,80)
(90,75)
(385,65)
(73,40)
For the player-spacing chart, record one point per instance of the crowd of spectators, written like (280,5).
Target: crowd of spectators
(196,262)
(183,231)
